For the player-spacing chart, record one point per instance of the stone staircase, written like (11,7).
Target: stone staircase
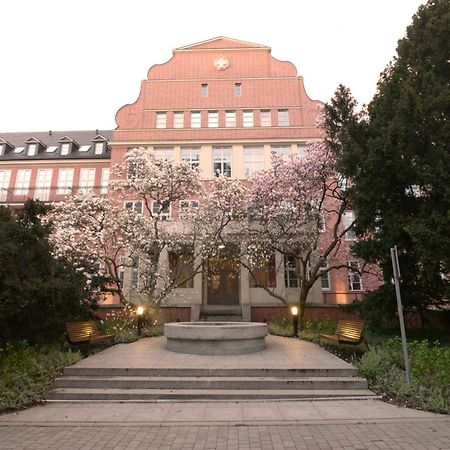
(221,313)
(153,384)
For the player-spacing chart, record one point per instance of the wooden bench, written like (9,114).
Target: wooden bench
(347,332)
(85,333)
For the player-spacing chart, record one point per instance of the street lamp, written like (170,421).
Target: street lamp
(294,312)
(140,313)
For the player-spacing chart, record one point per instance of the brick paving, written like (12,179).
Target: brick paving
(426,435)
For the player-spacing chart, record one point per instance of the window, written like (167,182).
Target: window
(237,89)
(87,180)
(104,182)
(213,119)
(160,211)
(196,119)
(325,279)
(230,119)
(222,161)
(266,118)
(284,151)
(84,148)
(253,160)
(191,156)
(134,205)
(43,184)
(247,118)
(2,149)
(31,149)
(204,90)
(321,222)
(18,149)
(187,209)
(22,181)
(65,180)
(163,154)
(135,273)
(301,150)
(51,148)
(181,266)
(291,279)
(264,274)
(283,118)
(5,176)
(354,278)
(121,271)
(348,218)
(161,120)
(178,119)
(65,148)
(98,148)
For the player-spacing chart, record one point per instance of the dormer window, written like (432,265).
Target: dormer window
(5,147)
(31,151)
(98,148)
(2,149)
(65,148)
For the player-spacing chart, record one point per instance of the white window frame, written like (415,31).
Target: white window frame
(65,148)
(98,148)
(104,182)
(32,149)
(178,119)
(186,208)
(65,181)
(2,149)
(43,184)
(191,156)
(204,90)
(283,118)
(163,153)
(23,178)
(213,119)
(354,278)
(161,120)
(5,178)
(301,150)
(265,118)
(238,89)
(87,179)
(326,277)
(253,160)
(291,280)
(230,119)
(283,150)
(164,214)
(347,219)
(247,118)
(196,119)
(221,157)
(134,205)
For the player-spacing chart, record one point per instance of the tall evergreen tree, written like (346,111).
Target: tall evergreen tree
(397,156)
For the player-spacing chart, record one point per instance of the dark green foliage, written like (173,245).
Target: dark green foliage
(384,369)
(398,158)
(37,292)
(27,372)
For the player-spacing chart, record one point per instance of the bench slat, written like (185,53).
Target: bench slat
(87,331)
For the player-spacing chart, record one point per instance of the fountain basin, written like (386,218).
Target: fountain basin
(215,338)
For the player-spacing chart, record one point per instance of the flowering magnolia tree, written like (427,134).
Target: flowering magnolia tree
(92,232)
(290,206)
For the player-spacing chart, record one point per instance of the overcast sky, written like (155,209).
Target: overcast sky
(70,65)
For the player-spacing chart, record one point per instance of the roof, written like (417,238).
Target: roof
(53,138)
(222,43)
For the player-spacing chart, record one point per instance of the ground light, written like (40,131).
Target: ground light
(140,313)
(294,312)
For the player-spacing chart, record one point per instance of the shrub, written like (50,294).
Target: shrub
(383,366)
(27,372)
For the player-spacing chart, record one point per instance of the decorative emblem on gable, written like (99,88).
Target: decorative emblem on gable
(221,63)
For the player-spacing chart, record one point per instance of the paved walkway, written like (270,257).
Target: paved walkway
(347,424)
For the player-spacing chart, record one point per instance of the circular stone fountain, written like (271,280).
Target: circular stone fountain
(215,338)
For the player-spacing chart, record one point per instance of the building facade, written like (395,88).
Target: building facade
(223,105)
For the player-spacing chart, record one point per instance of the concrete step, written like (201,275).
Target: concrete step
(214,383)
(217,318)
(221,310)
(84,394)
(211,372)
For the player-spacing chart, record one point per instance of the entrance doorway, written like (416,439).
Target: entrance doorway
(222,279)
